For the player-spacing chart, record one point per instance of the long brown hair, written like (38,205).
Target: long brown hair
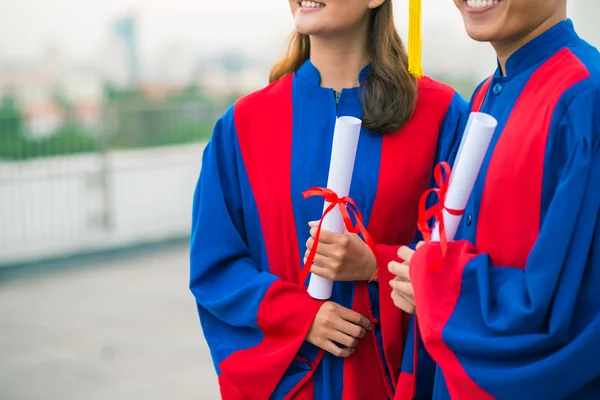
(389,93)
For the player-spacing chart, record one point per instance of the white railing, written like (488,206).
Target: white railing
(60,206)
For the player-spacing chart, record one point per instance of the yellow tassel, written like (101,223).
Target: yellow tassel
(414,39)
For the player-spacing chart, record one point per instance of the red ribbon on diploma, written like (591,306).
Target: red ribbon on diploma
(441,175)
(346,206)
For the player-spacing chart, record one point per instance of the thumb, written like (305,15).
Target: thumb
(348,232)
(405,254)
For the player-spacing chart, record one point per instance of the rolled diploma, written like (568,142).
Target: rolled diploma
(341,166)
(471,152)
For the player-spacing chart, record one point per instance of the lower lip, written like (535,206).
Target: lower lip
(310,9)
(480,10)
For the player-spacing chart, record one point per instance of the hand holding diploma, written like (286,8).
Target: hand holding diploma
(340,256)
(453,198)
(402,289)
(338,206)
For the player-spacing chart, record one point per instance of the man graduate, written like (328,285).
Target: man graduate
(513,312)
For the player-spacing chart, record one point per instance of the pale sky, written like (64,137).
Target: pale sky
(81,28)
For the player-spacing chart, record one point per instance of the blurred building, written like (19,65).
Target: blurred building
(173,64)
(124,40)
(231,73)
(39,88)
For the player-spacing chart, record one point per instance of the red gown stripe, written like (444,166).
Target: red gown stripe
(512,196)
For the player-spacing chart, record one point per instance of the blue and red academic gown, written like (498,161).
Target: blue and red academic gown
(250,225)
(514,310)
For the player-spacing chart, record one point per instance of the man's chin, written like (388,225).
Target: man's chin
(480,35)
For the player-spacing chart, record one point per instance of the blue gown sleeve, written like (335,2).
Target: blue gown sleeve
(507,333)
(254,322)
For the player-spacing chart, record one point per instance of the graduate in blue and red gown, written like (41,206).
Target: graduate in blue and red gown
(513,312)
(268,338)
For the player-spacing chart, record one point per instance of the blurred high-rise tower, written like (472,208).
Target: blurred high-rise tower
(123,63)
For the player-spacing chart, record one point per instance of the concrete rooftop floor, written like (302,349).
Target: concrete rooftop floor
(123,328)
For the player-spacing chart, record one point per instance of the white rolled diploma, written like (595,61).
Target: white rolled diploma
(471,153)
(341,166)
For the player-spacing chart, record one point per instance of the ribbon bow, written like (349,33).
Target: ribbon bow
(347,206)
(441,175)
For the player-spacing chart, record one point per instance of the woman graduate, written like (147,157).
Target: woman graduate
(514,311)
(268,338)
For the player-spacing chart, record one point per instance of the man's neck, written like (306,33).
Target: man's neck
(507,48)
(339,61)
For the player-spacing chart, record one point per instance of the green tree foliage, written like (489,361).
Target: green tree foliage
(16,144)
(130,120)
(183,117)
(11,119)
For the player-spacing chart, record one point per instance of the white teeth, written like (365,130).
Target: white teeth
(311,4)
(481,3)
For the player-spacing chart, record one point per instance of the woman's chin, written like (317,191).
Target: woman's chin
(308,32)
(306,29)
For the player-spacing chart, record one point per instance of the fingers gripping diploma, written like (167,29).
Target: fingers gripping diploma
(402,290)
(340,256)
(336,324)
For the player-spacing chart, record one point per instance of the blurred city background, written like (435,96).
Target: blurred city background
(105,108)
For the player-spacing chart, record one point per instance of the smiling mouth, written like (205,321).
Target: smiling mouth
(310,5)
(481,4)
